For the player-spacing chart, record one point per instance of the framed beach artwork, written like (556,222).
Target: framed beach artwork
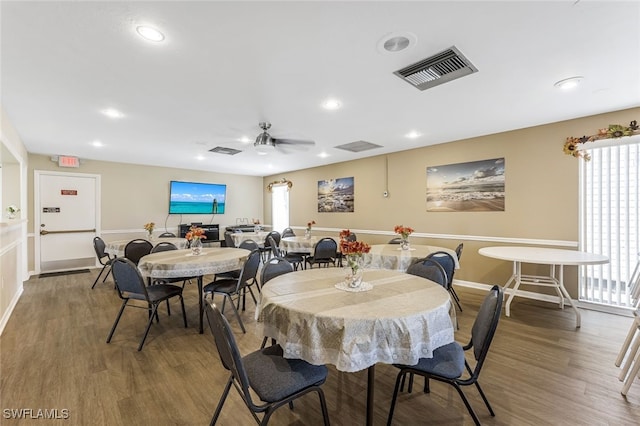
(476,186)
(335,195)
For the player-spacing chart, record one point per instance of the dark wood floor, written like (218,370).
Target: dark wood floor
(541,370)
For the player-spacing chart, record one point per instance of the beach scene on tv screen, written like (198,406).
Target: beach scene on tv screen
(197,198)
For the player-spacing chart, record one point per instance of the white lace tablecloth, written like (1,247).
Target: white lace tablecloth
(390,256)
(403,318)
(302,244)
(116,248)
(181,263)
(240,237)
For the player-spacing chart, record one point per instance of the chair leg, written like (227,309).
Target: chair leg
(631,377)
(455,297)
(146,331)
(635,327)
(108,273)
(236,312)
(631,354)
(225,393)
(98,277)
(184,313)
(466,403)
(401,376)
(484,398)
(115,324)
(323,406)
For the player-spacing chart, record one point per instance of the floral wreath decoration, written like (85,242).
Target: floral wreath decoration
(614,131)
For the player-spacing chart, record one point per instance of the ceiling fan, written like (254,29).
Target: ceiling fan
(265,143)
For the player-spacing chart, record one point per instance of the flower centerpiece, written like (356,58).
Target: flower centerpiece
(12,211)
(353,251)
(195,237)
(149,228)
(307,232)
(404,232)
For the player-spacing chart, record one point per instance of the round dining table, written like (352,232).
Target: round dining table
(240,237)
(302,244)
(183,263)
(400,319)
(543,256)
(116,248)
(391,256)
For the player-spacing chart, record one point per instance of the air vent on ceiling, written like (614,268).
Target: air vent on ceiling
(437,69)
(358,146)
(223,150)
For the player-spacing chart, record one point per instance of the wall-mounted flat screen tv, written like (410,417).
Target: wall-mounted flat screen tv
(197,198)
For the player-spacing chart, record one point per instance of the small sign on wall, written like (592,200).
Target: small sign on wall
(51,210)
(68,192)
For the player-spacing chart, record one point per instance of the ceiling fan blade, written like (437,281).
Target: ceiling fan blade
(294,142)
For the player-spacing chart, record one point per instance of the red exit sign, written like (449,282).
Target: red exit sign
(66,161)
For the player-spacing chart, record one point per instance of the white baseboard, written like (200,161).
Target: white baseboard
(9,311)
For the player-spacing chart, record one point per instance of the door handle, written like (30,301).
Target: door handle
(73,231)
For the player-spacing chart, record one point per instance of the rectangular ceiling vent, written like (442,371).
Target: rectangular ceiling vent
(438,69)
(223,150)
(358,146)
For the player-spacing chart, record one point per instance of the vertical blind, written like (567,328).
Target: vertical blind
(279,207)
(610,206)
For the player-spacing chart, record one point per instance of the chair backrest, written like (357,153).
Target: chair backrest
(99,246)
(396,240)
(167,235)
(274,267)
(249,269)
(228,350)
(288,232)
(429,269)
(137,248)
(275,251)
(447,262)
(352,237)
(273,234)
(249,245)
(459,250)
(228,240)
(485,324)
(164,246)
(326,248)
(127,277)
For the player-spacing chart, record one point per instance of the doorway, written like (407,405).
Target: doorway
(67,217)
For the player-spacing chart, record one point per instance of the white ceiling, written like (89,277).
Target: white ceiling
(225,66)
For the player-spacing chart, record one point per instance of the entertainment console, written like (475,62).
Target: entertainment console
(211,231)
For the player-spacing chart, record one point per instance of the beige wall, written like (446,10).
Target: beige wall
(541,195)
(133,195)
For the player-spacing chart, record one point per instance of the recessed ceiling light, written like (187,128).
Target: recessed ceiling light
(323,155)
(568,83)
(244,139)
(149,33)
(97,144)
(200,157)
(413,135)
(112,113)
(331,104)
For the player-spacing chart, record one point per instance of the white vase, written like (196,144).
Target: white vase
(307,234)
(196,246)
(353,270)
(404,244)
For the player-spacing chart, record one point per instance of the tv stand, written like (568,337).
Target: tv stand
(212,232)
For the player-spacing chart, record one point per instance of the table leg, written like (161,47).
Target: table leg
(371,372)
(566,294)
(200,303)
(516,278)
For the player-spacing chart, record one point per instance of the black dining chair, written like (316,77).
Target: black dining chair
(449,264)
(130,285)
(136,249)
(234,288)
(266,373)
(449,365)
(167,235)
(274,267)
(104,258)
(324,253)
(266,249)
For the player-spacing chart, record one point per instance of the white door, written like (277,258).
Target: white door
(67,217)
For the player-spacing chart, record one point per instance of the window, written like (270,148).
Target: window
(610,214)
(279,207)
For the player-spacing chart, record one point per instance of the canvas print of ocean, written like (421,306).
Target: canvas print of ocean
(466,187)
(335,195)
(197,198)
